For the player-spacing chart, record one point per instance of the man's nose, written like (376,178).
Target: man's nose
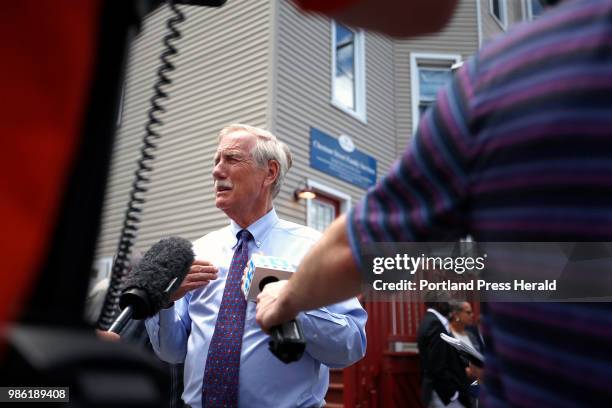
(218,171)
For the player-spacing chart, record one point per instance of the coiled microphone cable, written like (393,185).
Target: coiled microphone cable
(143,173)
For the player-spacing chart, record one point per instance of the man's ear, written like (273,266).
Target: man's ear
(273,172)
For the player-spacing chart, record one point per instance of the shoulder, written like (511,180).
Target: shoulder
(296,231)
(426,322)
(430,319)
(213,238)
(433,323)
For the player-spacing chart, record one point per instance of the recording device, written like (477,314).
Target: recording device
(98,373)
(158,274)
(287,340)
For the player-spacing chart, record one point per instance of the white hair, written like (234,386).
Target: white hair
(267,147)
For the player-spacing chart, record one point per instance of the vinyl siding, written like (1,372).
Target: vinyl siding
(264,63)
(516,12)
(221,77)
(303,100)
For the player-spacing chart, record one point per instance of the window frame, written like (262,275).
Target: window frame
(502,21)
(322,201)
(342,198)
(360,74)
(417,58)
(529,11)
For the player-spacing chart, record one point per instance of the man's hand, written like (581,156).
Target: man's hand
(200,273)
(271,309)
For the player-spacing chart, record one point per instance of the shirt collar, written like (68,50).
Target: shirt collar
(442,319)
(259,229)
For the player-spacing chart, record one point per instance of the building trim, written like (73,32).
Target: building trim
(360,75)
(273,66)
(528,10)
(503,23)
(479,21)
(415,57)
(343,198)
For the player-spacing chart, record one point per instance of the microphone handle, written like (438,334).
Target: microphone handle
(287,343)
(121,320)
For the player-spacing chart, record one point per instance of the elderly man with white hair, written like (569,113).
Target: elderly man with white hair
(212,329)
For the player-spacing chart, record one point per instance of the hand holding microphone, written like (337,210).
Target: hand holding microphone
(269,274)
(288,343)
(149,286)
(200,273)
(270,310)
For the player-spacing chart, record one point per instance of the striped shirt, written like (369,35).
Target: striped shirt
(519,148)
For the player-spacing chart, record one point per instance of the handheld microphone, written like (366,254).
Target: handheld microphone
(287,340)
(148,288)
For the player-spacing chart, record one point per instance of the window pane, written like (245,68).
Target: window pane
(497,9)
(536,8)
(321,215)
(430,81)
(345,60)
(345,67)
(343,34)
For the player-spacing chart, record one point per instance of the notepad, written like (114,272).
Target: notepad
(467,351)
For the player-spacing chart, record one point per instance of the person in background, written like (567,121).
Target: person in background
(461,316)
(444,382)
(476,331)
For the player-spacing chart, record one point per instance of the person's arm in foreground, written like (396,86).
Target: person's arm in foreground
(327,274)
(420,199)
(335,335)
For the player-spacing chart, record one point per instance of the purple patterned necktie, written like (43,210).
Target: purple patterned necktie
(220,387)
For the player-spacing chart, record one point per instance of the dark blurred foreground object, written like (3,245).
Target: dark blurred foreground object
(63,69)
(98,373)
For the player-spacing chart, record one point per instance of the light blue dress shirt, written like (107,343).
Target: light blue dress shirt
(335,335)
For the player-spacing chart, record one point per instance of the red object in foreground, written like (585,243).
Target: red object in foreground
(48,51)
(323,6)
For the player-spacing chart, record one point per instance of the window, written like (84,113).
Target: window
(348,76)
(328,204)
(534,8)
(431,79)
(498,10)
(429,73)
(322,212)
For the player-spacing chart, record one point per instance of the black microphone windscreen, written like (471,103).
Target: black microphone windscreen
(168,259)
